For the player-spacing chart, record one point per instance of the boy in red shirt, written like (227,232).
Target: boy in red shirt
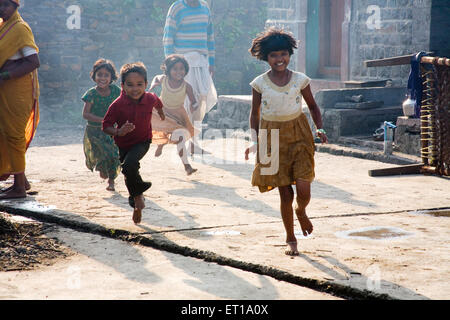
(128,120)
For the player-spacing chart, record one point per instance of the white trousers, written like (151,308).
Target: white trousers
(202,83)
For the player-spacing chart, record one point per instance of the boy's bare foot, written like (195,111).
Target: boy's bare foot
(137,215)
(189,169)
(110,186)
(292,248)
(305,223)
(159,149)
(139,202)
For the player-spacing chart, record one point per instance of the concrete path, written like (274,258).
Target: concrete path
(373,237)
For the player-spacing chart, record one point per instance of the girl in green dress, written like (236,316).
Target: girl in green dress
(99,148)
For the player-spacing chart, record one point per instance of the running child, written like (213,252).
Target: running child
(277,108)
(99,149)
(177,128)
(128,120)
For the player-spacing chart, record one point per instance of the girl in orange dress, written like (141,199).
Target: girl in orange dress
(176,128)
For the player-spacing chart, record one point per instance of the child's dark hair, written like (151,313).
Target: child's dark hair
(128,68)
(108,65)
(171,60)
(272,39)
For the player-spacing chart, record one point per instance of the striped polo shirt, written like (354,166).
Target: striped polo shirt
(189,29)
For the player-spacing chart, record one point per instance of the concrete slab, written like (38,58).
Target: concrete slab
(181,210)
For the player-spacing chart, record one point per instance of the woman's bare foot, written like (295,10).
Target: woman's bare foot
(189,169)
(13,193)
(110,186)
(305,223)
(292,248)
(27,186)
(159,149)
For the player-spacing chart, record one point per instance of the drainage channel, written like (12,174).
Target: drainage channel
(328,287)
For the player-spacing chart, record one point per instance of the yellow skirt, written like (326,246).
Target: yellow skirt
(19,116)
(294,158)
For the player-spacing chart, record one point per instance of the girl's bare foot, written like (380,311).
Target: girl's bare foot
(110,186)
(159,149)
(189,169)
(305,223)
(103,175)
(292,248)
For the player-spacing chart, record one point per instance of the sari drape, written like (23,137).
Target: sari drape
(19,106)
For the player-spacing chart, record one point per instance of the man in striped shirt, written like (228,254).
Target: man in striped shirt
(189,31)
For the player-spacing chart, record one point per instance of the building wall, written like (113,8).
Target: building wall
(376,29)
(126,31)
(387,28)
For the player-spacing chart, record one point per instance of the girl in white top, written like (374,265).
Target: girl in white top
(285,156)
(177,127)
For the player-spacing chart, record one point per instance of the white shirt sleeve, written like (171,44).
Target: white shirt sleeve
(24,52)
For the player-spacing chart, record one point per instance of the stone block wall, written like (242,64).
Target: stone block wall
(126,31)
(387,28)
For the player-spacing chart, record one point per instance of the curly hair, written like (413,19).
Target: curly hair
(106,64)
(128,68)
(272,39)
(171,60)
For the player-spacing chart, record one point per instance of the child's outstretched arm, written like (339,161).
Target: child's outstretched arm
(155,82)
(254,121)
(315,113)
(190,94)
(161,113)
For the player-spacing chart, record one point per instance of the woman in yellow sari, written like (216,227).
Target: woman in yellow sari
(19,92)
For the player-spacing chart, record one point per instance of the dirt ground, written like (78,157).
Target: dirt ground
(370,234)
(25,245)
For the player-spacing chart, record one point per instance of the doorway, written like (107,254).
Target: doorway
(331,17)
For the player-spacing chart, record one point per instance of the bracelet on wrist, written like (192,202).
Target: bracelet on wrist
(321,131)
(116,132)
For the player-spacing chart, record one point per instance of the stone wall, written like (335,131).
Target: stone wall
(126,31)
(391,28)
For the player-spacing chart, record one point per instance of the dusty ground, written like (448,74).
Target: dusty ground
(370,233)
(25,246)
